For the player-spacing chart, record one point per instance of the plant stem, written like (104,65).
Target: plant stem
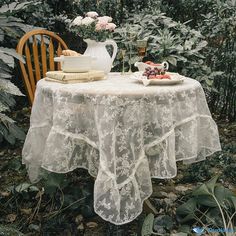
(222,214)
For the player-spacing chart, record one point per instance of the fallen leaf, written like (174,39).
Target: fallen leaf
(79,219)
(80,227)
(26,211)
(5,194)
(11,218)
(91,224)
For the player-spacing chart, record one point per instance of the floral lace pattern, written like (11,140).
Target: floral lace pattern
(122,132)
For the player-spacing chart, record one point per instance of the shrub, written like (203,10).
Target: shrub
(11,29)
(168,40)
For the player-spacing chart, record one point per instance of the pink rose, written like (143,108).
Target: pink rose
(110,26)
(101,26)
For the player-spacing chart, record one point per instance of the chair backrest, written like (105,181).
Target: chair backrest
(38,47)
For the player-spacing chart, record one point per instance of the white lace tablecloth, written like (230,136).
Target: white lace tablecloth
(121,131)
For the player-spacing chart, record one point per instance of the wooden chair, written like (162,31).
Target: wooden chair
(38,47)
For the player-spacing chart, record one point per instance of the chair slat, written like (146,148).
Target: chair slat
(28,86)
(59,52)
(44,56)
(40,64)
(51,55)
(36,59)
(29,67)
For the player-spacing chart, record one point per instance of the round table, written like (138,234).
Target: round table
(121,131)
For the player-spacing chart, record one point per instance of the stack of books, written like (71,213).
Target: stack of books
(67,78)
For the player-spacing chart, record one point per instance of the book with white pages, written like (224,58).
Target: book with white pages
(65,78)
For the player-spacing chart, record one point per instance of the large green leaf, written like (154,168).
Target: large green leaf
(233,199)
(4,118)
(224,196)
(16,132)
(148,225)
(11,52)
(9,130)
(188,218)
(188,207)
(16,6)
(8,87)
(6,99)
(3,107)
(206,200)
(207,188)
(5,75)
(201,190)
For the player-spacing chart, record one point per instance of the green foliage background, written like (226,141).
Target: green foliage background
(196,37)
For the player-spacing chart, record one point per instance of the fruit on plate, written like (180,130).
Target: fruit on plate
(152,63)
(155,73)
(159,76)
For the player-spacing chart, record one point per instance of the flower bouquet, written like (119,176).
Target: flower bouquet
(92,26)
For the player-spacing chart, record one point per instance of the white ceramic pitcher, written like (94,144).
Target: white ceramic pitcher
(101,58)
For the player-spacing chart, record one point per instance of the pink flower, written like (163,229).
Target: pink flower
(110,26)
(104,19)
(92,14)
(101,26)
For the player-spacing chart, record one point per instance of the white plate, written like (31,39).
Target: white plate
(175,79)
